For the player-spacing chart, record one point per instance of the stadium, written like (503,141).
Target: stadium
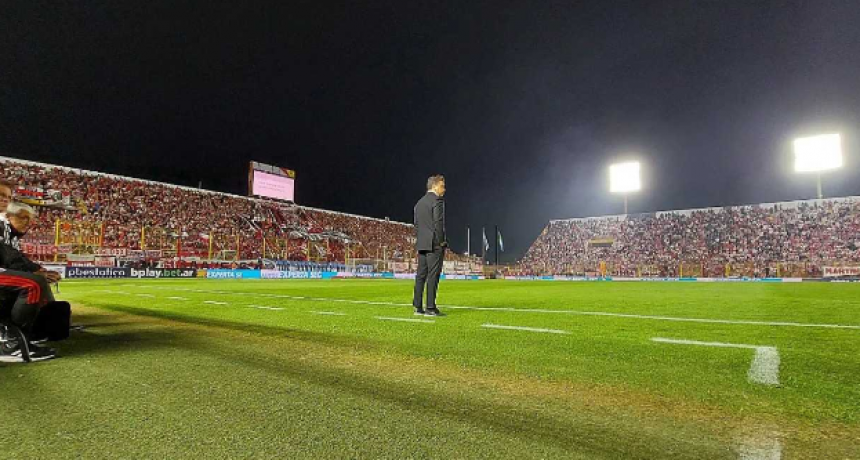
(280,311)
(717,368)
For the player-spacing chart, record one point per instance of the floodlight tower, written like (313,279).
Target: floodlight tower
(818,154)
(624,179)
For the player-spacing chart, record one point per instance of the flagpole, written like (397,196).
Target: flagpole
(497,246)
(468,240)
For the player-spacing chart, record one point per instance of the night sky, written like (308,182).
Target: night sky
(521,105)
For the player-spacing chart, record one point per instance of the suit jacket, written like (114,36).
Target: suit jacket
(430,223)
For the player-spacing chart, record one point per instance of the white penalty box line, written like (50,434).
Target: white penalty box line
(523,328)
(764,368)
(404,320)
(545,311)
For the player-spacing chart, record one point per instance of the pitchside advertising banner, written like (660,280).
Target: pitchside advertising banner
(386,275)
(831,272)
(123,272)
(694,280)
(97,272)
(411,276)
(78,272)
(61,269)
(164,273)
(227,274)
(280,275)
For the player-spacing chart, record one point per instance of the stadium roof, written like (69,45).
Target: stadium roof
(783,204)
(182,187)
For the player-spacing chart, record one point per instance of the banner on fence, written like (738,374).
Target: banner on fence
(388,275)
(37,249)
(830,272)
(97,272)
(217,273)
(116,252)
(125,272)
(61,269)
(163,273)
(281,274)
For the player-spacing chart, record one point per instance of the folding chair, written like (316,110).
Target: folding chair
(14,332)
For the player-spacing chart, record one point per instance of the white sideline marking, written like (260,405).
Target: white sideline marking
(177,298)
(658,318)
(330,313)
(405,320)
(105,291)
(522,328)
(765,445)
(765,364)
(212,302)
(263,307)
(146,295)
(577,312)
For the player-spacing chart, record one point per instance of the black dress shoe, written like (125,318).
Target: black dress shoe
(433,312)
(420,312)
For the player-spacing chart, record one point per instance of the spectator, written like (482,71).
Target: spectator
(745,240)
(115,212)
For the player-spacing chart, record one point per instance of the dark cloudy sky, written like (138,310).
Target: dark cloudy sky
(522,105)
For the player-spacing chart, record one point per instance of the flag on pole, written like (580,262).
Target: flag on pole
(486,243)
(501,243)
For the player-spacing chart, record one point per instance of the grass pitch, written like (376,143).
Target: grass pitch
(342,369)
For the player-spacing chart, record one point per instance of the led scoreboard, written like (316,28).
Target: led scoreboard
(271,182)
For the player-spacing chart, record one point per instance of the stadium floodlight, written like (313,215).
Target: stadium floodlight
(624,178)
(817,154)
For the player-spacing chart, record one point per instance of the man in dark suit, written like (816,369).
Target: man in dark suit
(430,243)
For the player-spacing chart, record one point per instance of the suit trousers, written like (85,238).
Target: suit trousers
(429,271)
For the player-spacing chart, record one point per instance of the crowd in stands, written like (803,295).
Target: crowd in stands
(760,240)
(115,212)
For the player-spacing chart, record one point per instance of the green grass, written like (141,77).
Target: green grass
(160,377)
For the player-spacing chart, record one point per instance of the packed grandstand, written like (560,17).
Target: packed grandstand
(790,239)
(94,218)
(87,216)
